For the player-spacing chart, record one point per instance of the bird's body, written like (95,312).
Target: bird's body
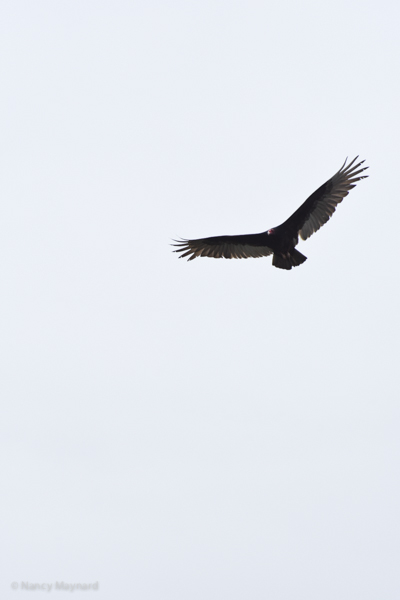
(282,240)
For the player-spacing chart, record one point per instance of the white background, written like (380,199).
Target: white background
(212,429)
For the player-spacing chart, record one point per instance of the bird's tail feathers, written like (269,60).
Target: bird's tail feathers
(294,259)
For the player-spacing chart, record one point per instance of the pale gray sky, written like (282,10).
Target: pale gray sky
(213,429)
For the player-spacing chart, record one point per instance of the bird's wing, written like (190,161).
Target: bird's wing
(321,205)
(225,246)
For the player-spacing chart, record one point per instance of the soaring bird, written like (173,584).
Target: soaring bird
(281,241)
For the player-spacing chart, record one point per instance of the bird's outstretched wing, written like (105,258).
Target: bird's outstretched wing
(321,205)
(225,246)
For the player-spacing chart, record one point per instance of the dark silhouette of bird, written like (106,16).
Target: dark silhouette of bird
(281,241)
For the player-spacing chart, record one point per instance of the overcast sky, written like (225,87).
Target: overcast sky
(214,429)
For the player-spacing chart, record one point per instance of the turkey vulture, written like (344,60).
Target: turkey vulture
(281,241)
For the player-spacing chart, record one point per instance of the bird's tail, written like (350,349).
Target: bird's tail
(294,259)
